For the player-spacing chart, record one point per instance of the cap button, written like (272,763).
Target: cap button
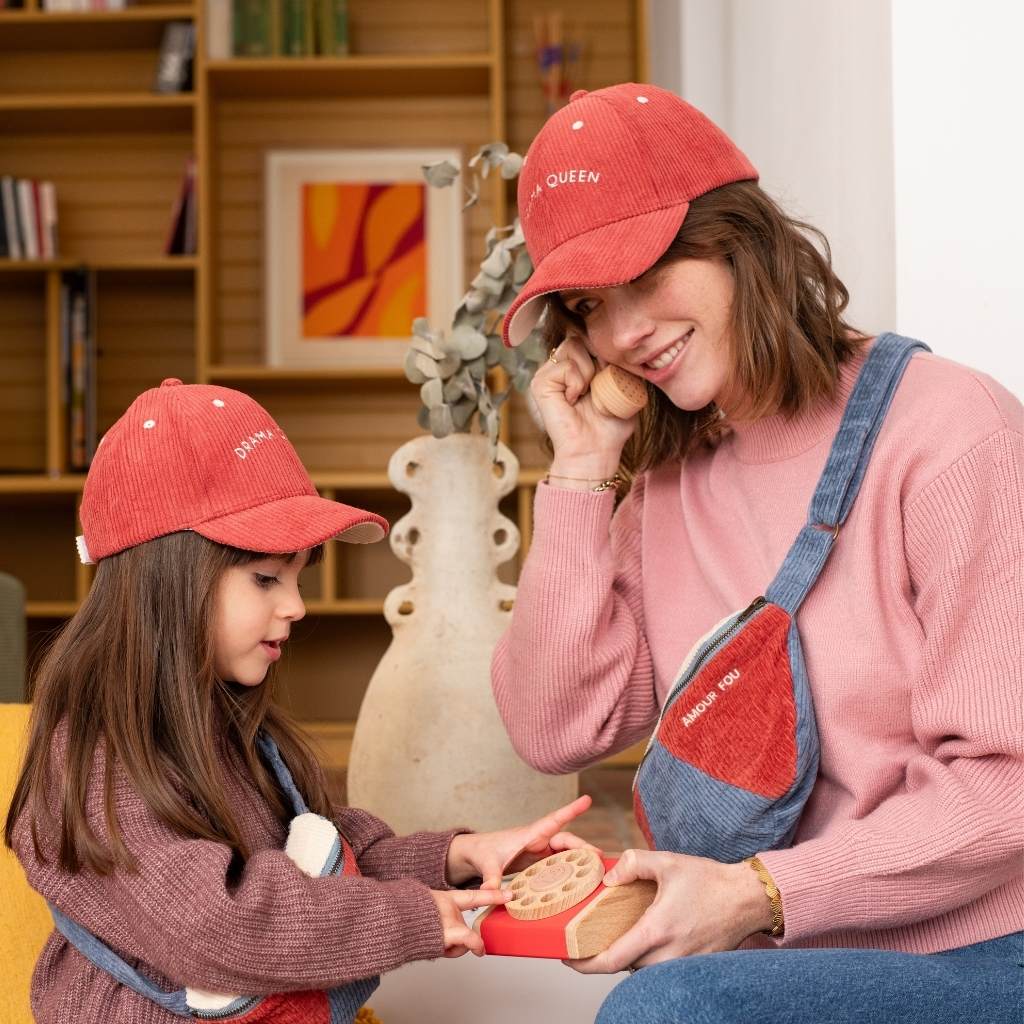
(578,94)
(170,382)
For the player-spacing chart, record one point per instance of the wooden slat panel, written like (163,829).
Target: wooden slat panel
(23,372)
(408,26)
(354,427)
(146,332)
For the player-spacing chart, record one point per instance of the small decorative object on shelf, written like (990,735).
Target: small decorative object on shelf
(177,50)
(556,59)
(28,219)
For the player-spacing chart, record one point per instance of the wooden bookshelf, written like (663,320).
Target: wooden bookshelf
(76,107)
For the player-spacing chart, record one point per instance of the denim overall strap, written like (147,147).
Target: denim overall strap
(284,777)
(102,956)
(844,471)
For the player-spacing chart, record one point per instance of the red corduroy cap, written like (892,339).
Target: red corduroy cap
(206,458)
(606,185)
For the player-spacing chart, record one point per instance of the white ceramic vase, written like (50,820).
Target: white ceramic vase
(430,751)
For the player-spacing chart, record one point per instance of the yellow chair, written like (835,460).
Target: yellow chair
(25,922)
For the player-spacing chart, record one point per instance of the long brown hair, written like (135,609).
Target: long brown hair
(133,670)
(787,335)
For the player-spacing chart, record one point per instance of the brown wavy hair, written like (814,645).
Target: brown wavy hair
(787,337)
(133,670)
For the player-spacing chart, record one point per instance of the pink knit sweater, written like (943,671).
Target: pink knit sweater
(184,919)
(913,635)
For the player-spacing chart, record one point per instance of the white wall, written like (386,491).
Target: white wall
(802,86)
(892,126)
(958,86)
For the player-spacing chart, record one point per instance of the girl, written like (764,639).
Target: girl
(160,776)
(894,892)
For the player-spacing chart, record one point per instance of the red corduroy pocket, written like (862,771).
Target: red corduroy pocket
(736,719)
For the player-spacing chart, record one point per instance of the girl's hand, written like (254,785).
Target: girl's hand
(459,938)
(702,906)
(489,855)
(587,444)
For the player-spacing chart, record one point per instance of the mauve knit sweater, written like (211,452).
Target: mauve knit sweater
(914,640)
(183,919)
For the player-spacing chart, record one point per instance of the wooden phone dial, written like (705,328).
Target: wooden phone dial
(562,910)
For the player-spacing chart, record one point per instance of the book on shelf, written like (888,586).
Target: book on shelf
(78,364)
(81,5)
(47,193)
(332,27)
(177,51)
(27,219)
(218,29)
(28,224)
(297,28)
(12,234)
(255,28)
(181,233)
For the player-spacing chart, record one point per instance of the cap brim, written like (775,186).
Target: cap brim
(294,524)
(602,258)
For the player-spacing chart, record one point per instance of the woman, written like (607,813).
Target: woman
(898,893)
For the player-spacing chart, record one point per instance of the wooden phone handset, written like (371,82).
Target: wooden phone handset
(617,392)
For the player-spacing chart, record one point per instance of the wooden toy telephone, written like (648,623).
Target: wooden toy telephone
(561,909)
(617,392)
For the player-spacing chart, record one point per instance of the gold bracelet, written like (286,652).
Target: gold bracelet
(771,890)
(602,485)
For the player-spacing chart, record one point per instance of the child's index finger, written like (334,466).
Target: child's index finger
(555,821)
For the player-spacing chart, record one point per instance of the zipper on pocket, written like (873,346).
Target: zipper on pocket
(695,666)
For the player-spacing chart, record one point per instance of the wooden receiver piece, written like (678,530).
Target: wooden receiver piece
(617,392)
(557,929)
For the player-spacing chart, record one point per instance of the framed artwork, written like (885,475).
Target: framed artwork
(357,246)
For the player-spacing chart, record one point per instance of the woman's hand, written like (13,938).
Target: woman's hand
(587,444)
(459,938)
(702,906)
(489,855)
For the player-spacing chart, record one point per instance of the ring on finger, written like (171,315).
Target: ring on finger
(553,355)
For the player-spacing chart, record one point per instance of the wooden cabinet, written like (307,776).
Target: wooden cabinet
(76,108)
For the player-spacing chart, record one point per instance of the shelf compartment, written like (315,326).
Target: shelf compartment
(457,74)
(96,111)
(115,194)
(327,664)
(23,373)
(68,31)
(145,333)
(40,550)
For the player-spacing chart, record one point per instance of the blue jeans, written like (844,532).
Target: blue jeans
(978,984)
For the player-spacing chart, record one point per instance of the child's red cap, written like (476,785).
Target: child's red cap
(605,186)
(206,458)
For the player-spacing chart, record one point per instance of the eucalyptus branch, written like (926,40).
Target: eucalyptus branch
(451,366)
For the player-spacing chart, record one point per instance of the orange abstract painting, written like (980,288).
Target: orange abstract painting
(364,260)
